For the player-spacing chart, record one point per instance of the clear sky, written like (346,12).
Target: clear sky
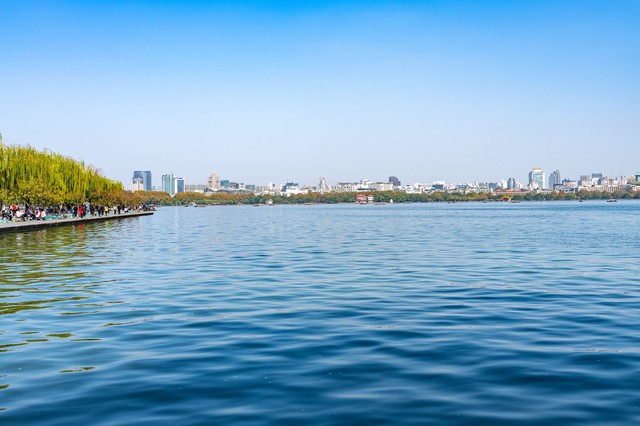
(274,90)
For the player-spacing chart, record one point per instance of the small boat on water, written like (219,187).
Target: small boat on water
(612,200)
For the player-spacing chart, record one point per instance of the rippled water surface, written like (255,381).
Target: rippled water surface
(397,314)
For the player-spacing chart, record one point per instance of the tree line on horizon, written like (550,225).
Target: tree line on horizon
(222,198)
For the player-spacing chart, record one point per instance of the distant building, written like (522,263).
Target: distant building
(195,188)
(536,178)
(178,185)
(214,181)
(382,186)
(145,175)
(288,185)
(345,187)
(225,184)
(438,185)
(364,199)
(597,179)
(167,184)
(554,179)
(511,183)
(394,180)
(322,186)
(138,185)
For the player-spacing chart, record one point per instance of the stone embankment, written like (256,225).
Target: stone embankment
(39,224)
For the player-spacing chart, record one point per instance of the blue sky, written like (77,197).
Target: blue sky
(274,90)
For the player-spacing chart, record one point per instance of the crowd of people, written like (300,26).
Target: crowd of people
(18,213)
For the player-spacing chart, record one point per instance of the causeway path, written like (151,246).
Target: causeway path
(39,224)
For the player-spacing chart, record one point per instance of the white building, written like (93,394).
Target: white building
(138,185)
(214,181)
(322,186)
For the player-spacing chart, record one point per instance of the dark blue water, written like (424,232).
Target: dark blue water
(458,314)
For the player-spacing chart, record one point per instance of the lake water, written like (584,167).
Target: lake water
(459,314)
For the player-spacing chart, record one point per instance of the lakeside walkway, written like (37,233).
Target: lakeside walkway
(39,224)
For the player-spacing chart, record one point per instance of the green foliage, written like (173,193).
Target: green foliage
(43,177)
(222,198)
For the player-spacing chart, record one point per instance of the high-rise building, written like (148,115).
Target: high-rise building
(554,179)
(178,185)
(214,181)
(394,180)
(536,178)
(511,183)
(167,184)
(145,175)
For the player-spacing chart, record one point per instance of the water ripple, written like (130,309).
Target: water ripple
(458,314)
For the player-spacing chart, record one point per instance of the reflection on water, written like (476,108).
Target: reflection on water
(42,269)
(454,314)
(46,276)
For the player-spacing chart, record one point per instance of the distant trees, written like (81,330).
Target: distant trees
(221,198)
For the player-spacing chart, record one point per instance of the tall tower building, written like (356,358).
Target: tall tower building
(178,185)
(554,179)
(214,181)
(145,175)
(536,178)
(511,183)
(395,181)
(167,184)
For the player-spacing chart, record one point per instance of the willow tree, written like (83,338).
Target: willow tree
(44,177)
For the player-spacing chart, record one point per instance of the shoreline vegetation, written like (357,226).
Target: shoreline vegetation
(44,185)
(221,198)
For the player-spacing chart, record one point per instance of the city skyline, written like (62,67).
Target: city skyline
(454,91)
(537,180)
